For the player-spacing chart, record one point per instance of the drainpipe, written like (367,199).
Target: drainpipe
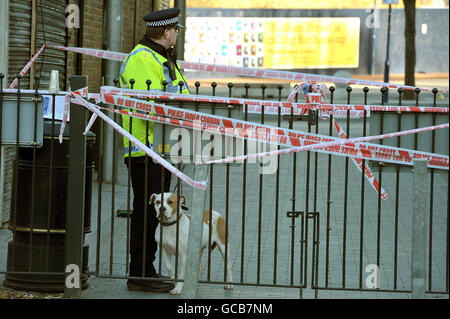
(79,57)
(181,4)
(113,41)
(4,19)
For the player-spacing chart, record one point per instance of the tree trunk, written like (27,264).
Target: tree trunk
(410,46)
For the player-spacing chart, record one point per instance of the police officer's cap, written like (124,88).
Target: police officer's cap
(163,18)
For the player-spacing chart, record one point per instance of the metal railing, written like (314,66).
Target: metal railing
(314,223)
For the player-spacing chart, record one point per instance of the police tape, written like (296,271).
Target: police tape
(242,71)
(94,96)
(214,129)
(83,92)
(285,75)
(27,67)
(282,136)
(359,164)
(141,146)
(103,54)
(434,160)
(313,105)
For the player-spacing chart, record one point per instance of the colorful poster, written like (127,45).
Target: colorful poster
(280,43)
(303,4)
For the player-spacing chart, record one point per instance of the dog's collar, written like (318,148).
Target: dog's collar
(172,222)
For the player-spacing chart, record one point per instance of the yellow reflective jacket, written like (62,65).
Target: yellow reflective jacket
(147,61)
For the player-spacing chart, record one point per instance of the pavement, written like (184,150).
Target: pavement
(254,279)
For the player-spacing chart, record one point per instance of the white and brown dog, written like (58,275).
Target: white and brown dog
(169,214)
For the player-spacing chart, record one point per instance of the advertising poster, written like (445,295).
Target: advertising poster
(279,43)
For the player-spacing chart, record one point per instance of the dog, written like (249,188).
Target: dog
(169,214)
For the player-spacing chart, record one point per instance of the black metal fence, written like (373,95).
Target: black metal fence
(314,223)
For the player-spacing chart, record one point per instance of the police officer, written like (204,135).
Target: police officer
(154,59)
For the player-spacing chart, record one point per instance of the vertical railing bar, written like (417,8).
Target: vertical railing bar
(416,118)
(303,238)
(177,227)
(317,240)
(113,190)
(99,194)
(1,105)
(314,268)
(363,170)
(50,192)
(303,243)
(180,153)
(294,169)
(15,172)
(211,187)
(327,254)
(244,189)
(397,193)
(344,240)
(145,199)
(130,130)
(163,155)
(448,234)
(227,196)
(177,244)
(430,233)
(33,170)
(258,273)
(277,197)
(198,147)
(380,167)
(313,253)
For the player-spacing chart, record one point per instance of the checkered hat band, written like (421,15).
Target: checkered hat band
(162,23)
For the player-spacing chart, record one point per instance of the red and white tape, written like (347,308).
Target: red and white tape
(285,75)
(359,164)
(83,92)
(313,105)
(282,136)
(241,71)
(407,157)
(140,145)
(27,67)
(103,54)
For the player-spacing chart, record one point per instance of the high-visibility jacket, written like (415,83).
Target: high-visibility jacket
(142,64)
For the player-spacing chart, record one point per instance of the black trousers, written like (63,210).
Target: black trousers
(138,179)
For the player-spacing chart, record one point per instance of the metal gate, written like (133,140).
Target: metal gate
(312,225)
(315,223)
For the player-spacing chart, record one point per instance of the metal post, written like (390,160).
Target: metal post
(73,249)
(195,236)
(373,33)
(113,36)
(387,62)
(4,36)
(181,4)
(419,230)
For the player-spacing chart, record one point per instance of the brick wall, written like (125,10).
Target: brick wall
(92,38)
(71,67)
(133,28)
(92,29)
